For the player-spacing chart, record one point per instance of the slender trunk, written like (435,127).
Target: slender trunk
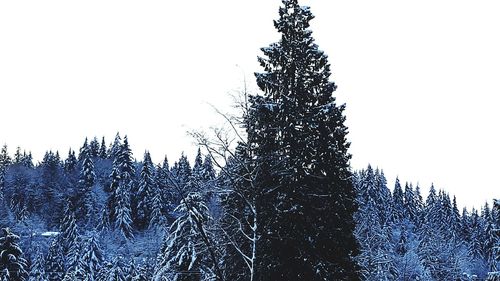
(254,245)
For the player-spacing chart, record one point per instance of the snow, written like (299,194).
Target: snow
(49,233)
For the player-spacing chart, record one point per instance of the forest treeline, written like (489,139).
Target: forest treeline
(271,197)
(105,214)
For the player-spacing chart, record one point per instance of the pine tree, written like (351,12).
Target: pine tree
(54,263)
(123,218)
(208,169)
(384,198)
(494,259)
(17,156)
(6,216)
(87,181)
(419,201)
(112,189)
(5,159)
(198,166)
(115,148)
(126,162)
(103,150)
(147,189)
(300,133)
(94,148)
(132,272)
(12,263)
(455,221)
(73,256)
(157,217)
(183,250)
(37,269)
(104,224)
(145,272)
(92,257)
(19,183)
(27,160)
(84,148)
(408,264)
(208,182)
(48,199)
(162,181)
(372,232)
(116,272)
(398,202)
(410,204)
(71,161)
(181,172)
(70,236)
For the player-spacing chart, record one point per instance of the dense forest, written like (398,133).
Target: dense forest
(271,198)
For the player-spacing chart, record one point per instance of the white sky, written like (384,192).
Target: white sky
(420,78)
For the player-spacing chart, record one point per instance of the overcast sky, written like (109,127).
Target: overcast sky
(420,78)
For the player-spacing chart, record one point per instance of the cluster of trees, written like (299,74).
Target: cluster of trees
(102,197)
(283,204)
(404,237)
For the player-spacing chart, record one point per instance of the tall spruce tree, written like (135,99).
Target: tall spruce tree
(145,193)
(17,156)
(70,162)
(184,252)
(115,148)
(398,202)
(94,147)
(122,209)
(113,189)
(37,268)
(198,166)
(5,159)
(164,190)
(300,136)
(122,213)
(92,257)
(87,181)
(69,235)
(103,154)
(410,204)
(54,262)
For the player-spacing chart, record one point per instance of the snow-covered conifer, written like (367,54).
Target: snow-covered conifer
(122,212)
(37,268)
(12,263)
(54,263)
(298,129)
(115,148)
(147,190)
(92,256)
(398,202)
(184,249)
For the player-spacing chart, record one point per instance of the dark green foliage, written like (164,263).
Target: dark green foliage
(300,138)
